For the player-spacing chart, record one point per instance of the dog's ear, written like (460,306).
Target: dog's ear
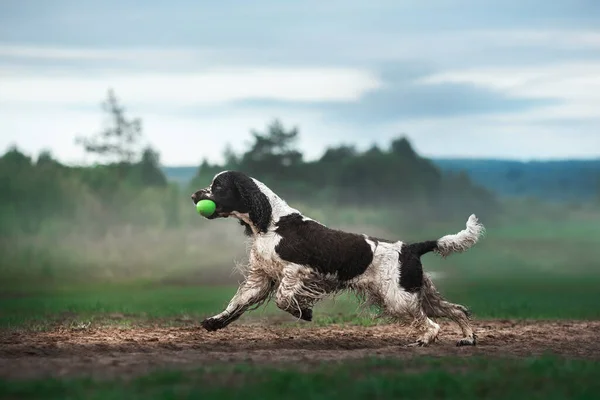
(257,202)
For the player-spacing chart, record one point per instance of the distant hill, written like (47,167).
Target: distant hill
(181,175)
(569,180)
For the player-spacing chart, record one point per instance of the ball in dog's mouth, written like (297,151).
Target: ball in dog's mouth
(206,207)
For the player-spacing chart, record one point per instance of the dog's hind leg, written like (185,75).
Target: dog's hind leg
(434,306)
(406,306)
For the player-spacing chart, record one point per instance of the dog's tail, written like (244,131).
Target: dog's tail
(456,243)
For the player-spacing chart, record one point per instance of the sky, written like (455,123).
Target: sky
(517,79)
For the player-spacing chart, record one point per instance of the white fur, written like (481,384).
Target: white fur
(279,207)
(463,240)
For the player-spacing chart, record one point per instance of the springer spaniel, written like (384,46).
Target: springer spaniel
(300,261)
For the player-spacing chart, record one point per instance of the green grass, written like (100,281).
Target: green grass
(423,378)
(531,268)
(136,304)
(547,297)
(89,303)
(534,268)
(541,297)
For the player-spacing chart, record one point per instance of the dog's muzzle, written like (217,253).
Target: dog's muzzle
(205,194)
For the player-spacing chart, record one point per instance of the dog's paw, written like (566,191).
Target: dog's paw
(468,313)
(306,315)
(213,324)
(467,341)
(418,343)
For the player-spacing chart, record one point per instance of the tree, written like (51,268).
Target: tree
(232,160)
(272,150)
(598,188)
(14,159)
(45,160)
(120,140)
(45,157)
(150,172)
(402,148)
(204,174)
(340,153)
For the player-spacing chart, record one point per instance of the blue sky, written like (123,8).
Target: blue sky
(473,78)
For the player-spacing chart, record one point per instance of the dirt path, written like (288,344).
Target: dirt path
(110,352)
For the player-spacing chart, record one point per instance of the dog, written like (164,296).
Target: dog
(299,261)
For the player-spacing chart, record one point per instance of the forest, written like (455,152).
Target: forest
(129,187)
(127,216)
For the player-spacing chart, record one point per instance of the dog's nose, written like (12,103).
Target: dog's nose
(194,197)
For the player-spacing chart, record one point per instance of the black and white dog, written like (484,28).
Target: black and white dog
(300,261)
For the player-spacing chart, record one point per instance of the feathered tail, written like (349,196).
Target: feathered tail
(456,243)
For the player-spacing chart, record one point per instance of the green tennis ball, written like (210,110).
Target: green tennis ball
(206,208)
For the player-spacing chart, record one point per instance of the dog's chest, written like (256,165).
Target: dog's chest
(264,257)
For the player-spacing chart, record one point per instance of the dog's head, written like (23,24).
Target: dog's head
(236,192)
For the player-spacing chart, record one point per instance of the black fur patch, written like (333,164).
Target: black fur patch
(255,200)
(411,269)
(327,250)
(421,248)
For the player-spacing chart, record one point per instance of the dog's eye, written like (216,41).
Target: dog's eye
(217,187)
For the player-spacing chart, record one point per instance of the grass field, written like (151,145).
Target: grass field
(425,378)
(548,297)
(54,311)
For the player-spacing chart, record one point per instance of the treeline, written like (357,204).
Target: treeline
(44,195)
(128,188)
(378,177)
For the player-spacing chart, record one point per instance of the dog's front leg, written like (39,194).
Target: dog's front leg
(255,289)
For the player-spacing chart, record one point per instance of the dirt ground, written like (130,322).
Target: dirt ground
(127,352)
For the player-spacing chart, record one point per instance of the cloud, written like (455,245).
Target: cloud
(575,85)
(554,39)
(210,87)
(268,23)
(493,137)
(565,126)
(493,112)
(457,76)
(186,116)
(83,53)
(407,91)
(315,46)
